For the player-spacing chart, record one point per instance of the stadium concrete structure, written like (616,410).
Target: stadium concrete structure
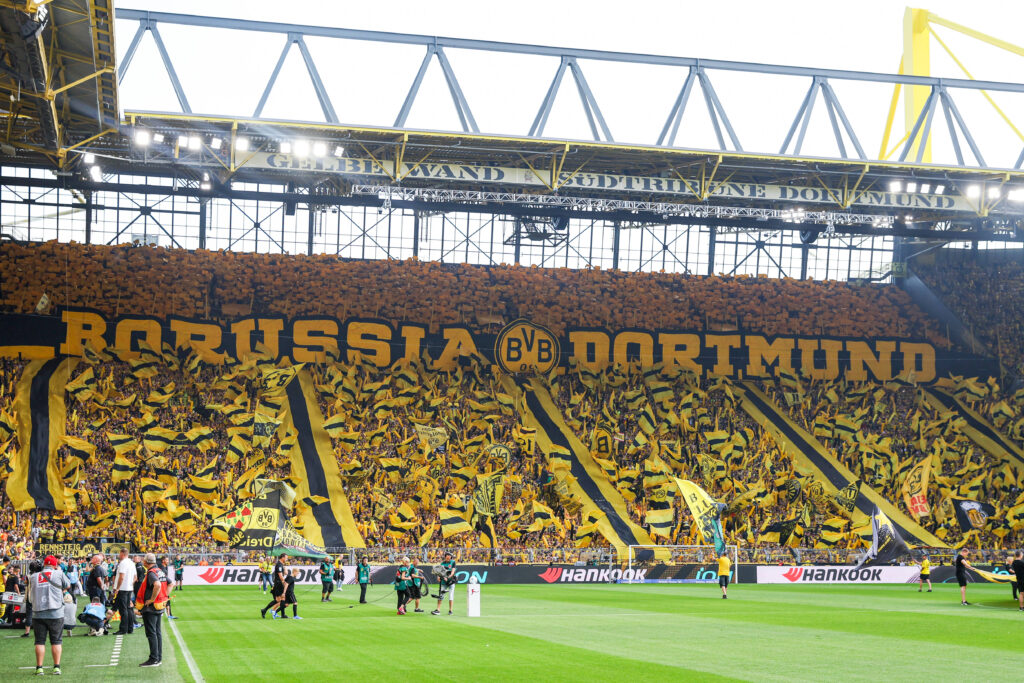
(75,166)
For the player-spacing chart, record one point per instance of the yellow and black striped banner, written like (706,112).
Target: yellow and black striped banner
(591,487)
(36,480)
(835,477)
(330,523)
(978,429)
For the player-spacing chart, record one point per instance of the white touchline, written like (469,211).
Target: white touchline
(192,666)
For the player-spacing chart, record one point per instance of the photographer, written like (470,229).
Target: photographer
(47,590)
(445,583)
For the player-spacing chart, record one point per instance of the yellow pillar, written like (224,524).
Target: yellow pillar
(916,62)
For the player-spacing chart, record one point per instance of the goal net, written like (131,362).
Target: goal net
(677,564)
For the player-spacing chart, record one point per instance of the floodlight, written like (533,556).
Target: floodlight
(142,137)
(319,149)
(242,144)
(895,186)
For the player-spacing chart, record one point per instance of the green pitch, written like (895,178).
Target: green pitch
(584,633)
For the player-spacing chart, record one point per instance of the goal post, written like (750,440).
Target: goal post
(677,564)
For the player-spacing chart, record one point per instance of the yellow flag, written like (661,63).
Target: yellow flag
(915,488)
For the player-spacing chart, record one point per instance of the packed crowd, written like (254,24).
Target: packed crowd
(224,285)
(985,295)
(398,488)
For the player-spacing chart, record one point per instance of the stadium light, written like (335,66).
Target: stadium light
(939,189)
(302,148)
(206,177)
(1016,195)
(319,149)
(241,144)
(194,142)
(895,186)
(182,142)
(204,186)
(142,137)
(89,158)
(286,148)
(911,187)
(339,151)
(96,173)
(925,188)
(158,137)
(973,191)
(215,143)
(994,192)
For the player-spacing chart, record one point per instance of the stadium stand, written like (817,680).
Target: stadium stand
(400,494)
(985,292)
(221,285)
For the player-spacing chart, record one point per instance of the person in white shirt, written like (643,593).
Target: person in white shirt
(124,583)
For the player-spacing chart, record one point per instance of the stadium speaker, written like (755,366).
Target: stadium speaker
(808,236)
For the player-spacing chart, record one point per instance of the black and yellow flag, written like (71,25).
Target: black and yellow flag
(453,522)
(36,481)
(314,463)
(583,479)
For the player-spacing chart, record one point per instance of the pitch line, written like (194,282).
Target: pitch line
(192,666)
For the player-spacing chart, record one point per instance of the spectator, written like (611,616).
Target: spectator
(47,588)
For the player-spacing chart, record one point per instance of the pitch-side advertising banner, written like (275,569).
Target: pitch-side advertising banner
(837,574)
(243,575)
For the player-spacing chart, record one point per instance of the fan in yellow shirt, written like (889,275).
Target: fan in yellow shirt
(724,569)
(926,573)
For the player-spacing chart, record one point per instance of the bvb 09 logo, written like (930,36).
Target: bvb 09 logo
(524,346)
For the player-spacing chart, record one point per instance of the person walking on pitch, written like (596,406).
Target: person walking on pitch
(416,582)
(339,573)
(962,565)
(724,569)
(363,577)
(402,581)
(266,566)
(1017,569)
(445,584)
(326,579)
(277,591)
(926,574)
(289,596)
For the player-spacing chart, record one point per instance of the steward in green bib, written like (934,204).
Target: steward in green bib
(326,579)
(363,577)
(402,583)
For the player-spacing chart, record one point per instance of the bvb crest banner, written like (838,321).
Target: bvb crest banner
(915,488)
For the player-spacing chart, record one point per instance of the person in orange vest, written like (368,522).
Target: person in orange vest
(151,600)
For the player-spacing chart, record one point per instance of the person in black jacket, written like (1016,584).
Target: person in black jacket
(1017,569)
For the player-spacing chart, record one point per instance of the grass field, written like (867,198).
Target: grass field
(573,633)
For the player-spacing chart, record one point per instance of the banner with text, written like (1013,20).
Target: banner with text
(521,346)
